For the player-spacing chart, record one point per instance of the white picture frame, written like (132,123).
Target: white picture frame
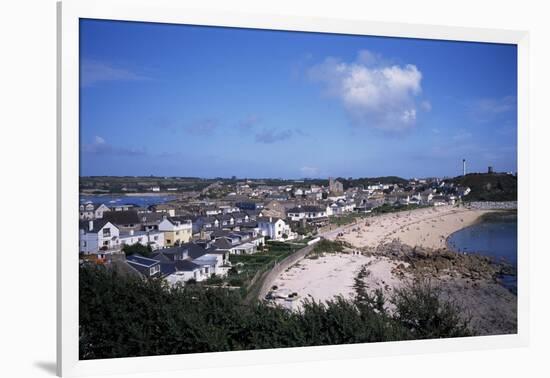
(69,13)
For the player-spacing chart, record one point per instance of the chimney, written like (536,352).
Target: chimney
(131,232)
(91,225)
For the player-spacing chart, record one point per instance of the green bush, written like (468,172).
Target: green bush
(137,249)
(122,316)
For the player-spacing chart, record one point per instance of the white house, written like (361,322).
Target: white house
(306,212)
(275,229)
(96,235)
(340,207)
(185,270)
(89,210)
(153,238)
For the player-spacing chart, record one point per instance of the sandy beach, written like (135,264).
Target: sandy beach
(323,278)
(427,227)
(491,306)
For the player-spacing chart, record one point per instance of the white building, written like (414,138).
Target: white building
(306,212)
(275,229)
(98,235)
(90,211)
(186,270)
(153,238)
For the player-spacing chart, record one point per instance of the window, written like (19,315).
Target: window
(106,232)
(154,269)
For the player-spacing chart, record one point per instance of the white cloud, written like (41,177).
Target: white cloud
(374,93)
(270,136)
(309,171)
(489,109)
(100,147)
(426,105)
(93,72)
(462,135)
(205,126)
(249,122)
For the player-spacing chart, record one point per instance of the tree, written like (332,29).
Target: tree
(125,316)
(137,249)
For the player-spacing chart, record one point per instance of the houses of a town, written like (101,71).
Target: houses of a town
(192,239)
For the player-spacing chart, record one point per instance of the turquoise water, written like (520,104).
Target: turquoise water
(497,239)
(111,200)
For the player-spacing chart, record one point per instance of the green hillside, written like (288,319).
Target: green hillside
(489,187)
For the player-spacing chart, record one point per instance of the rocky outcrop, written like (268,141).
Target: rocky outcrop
(426,262)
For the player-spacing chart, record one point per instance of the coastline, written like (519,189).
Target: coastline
(492,215)
(145,194)
(399,248)
(426,227)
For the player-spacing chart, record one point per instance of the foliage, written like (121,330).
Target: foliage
(214,280)
(346,219)
(328,246)
(137,249)
(388,208)
(122,316)
(420,309)
(489,187)
(249,265)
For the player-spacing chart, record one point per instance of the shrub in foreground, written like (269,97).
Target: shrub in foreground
(123,317)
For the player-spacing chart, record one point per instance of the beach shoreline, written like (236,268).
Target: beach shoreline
(371,241)
(425,227)
(145,194)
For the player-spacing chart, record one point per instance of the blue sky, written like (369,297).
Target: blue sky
(173,100)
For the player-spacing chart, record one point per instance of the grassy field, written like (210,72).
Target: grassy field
(342,220)
(245,267)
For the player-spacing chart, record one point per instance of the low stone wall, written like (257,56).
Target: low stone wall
(270,276)
(505,205)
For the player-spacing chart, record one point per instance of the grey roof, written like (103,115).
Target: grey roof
(306,209)
(223,244)
(98,224)
(186,265)
(170,253)
(193,250)
(123,268)
(268,219)
(180,218)
(142,261)
(160,257)
(225,217)
(122,217)
(151,217)
(142,264)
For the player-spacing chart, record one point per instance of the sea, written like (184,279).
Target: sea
(111,200)
(496,237)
